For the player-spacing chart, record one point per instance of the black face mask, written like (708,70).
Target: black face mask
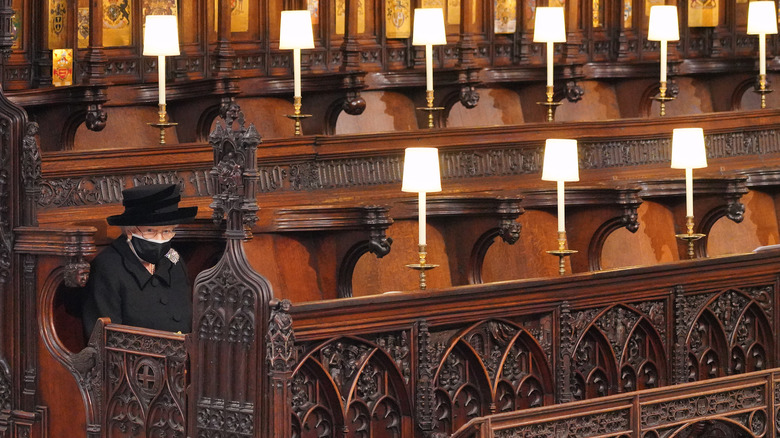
(149,251)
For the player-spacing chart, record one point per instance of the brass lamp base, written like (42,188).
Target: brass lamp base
(297,116)
(162,124)
(430,108)
(422,266)
(562,252)
(762,90)
(662,98)
(550,104)
(690,236)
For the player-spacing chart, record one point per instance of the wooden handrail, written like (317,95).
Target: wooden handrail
(728,399)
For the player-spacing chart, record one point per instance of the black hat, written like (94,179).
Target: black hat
(154,204)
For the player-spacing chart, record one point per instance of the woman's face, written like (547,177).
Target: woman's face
(152,232)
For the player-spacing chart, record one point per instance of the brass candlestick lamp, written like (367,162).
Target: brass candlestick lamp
(561,164)
(663,27)
(429,31)
(550,28)
(161,39)
(296,33)
(421,175)
(688,152)
(762,21)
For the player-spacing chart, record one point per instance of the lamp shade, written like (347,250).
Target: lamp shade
(421,170)
(560,160)
(295,30)
(688,151)
(428,27)
(762,18)
(549,26)
(161,35)
(663,24)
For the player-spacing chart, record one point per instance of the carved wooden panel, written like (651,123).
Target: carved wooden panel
(353,385)
(731,332)
(145,385)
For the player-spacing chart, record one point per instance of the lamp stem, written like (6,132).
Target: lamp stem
(689,192)
(762,54)
(161,78)
(429,67)
(561,209)
(421,213)
(297,72)
(550,63)
(663,44)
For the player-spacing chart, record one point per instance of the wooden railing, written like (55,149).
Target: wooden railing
(744,405)
(430,362)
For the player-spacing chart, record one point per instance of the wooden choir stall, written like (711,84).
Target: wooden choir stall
(308,321)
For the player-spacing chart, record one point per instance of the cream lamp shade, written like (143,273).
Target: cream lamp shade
(663,24)
(428,27)
(560,160)
(295,31)
(549,26)
(161,35)
(762,18)
(421,170)
(688,151)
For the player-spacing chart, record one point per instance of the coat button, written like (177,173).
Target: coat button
(176,317)
(154,282)
(163,300)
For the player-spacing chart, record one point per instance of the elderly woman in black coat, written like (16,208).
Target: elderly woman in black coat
(139,279)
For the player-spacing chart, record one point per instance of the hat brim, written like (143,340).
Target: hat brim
(180,216)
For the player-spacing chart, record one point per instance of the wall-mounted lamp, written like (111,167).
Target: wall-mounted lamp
(663,27)
(561,164)
(421,175)
(429,31)
(549,27)
(688,152)
(762,20)
(161,39)
(296,33)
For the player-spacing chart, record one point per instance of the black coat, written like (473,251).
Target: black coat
(122,289)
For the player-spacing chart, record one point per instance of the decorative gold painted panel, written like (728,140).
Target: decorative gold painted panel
(398,18)
(82,32)
(239,15)
(506,16)
(62,67)
(341,11)
(628,14)
(598,13)
(58,20)
(703,13)
(117,23)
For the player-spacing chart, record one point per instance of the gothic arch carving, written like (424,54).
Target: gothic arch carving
(366,390)
(731,334)
(495,358)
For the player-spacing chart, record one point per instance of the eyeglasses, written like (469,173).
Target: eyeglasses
(156,232)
